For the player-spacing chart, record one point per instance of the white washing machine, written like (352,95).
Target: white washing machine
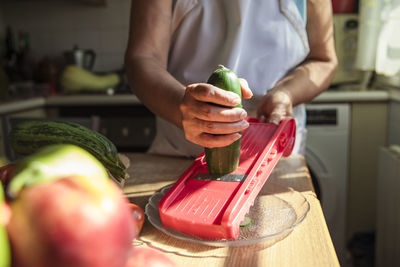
(327,156)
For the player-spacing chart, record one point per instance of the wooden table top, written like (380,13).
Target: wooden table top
(309,244)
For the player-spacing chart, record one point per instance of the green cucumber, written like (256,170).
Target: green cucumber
(246,222)
(223,160)
(29,136)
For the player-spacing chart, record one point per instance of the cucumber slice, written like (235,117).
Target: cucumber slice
(246,222)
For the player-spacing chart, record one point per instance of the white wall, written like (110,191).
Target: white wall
(56,26)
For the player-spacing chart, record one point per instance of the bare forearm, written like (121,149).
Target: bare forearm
(156,88)
(315,74)
(146,59)
(308,80)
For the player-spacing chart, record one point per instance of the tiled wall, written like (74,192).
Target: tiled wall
(57,25)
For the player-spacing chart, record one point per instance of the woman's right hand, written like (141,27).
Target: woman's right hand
(209,116)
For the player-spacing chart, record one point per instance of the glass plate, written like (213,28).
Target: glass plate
(276,212)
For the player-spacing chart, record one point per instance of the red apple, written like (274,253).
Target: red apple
(138,216)
(65,223)
(148,257)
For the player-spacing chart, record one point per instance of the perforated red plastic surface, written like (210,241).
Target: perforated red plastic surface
(213,207)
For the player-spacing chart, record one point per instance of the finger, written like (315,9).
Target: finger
(211,141)
(246,92)
(274,118)
(212,94)
(222,127)
(205,111)
(194,127)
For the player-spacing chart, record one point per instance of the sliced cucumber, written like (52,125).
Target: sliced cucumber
(246,222)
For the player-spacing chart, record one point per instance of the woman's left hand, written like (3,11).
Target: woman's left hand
(275,105)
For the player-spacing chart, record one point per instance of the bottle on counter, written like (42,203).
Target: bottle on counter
(25,62)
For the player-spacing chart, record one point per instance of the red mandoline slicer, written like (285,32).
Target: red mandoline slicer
(212,207)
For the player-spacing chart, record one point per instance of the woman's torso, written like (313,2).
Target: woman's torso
(260,40)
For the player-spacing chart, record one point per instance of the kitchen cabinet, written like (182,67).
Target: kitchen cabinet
(394,123)
(35,113)
(130,127)
(368,132)
(121,118)
(388,214)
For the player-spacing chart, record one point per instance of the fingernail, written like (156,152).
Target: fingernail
(235,98)
(243,114)
(236,101)
(238,136)
(274,121)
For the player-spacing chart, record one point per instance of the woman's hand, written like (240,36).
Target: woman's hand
(275,105)
(209,118)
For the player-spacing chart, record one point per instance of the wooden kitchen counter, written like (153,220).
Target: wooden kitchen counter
(309,244)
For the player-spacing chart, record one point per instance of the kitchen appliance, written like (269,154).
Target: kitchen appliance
(327,157)
(82,58)
(346,35)
(213,206)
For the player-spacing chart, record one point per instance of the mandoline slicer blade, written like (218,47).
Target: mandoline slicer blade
(213,207)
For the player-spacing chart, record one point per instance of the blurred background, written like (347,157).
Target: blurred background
(353,127)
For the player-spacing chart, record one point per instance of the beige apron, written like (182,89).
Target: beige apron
(260,40)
